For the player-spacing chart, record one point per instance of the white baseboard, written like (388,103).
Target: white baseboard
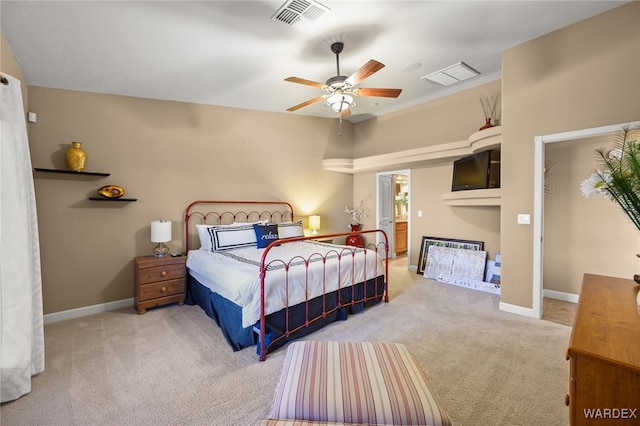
(518,310)
(87,310)
(560,295)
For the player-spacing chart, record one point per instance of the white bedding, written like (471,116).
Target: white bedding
(234,274)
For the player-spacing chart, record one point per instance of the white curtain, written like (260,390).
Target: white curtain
(21,322)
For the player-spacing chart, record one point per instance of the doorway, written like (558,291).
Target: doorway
(392,209)
(538,202)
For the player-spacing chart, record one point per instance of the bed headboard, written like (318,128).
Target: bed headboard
(212,212)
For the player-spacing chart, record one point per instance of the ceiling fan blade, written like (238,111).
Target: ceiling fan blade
(382,93)
(306,82)
(309,102)
(364,72)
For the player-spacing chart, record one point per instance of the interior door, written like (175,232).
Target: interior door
(385,208)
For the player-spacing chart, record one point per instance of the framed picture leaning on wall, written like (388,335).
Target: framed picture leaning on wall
(443,242)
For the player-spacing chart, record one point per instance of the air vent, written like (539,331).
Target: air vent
(452,74)
(297,13)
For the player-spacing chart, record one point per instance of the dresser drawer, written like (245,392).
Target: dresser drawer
(161,273)
(161,289)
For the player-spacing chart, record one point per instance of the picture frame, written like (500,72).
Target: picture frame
(444,242)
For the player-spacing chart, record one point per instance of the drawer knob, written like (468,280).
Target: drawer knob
(164,289)
(567,400)
(163,273)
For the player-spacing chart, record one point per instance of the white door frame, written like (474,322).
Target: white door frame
(391,237)
(538,198)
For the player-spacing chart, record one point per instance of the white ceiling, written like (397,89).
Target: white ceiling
(232,53)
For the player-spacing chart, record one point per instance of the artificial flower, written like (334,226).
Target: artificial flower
(620,178)
(359,212)
(596,184)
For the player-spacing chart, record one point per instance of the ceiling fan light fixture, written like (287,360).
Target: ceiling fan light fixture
(339,102)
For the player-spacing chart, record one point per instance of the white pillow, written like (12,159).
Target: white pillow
(206,241)
(290,229)
(232,237)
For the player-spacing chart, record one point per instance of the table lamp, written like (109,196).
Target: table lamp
(314,224)
(160,233)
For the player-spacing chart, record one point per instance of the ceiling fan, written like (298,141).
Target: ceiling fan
(341,89)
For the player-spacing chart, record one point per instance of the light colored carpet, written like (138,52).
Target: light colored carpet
(172,366)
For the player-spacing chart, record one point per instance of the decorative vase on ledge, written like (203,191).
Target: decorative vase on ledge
(355,240)
(487,124)
(76,157)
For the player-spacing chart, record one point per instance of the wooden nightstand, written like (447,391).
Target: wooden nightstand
(159,281)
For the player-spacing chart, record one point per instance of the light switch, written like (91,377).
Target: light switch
(524,219)
(419,213)
(32,117)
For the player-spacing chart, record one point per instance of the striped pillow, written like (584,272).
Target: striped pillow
(355,382)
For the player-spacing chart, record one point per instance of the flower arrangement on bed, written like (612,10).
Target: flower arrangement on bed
(264,283)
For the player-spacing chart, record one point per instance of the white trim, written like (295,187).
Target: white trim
(561,295)
(538,207)
(516,309)
(87,310)
(538,194)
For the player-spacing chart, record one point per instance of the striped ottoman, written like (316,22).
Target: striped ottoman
(354,382)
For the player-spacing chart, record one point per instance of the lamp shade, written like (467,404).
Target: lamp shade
(314,223)
(160,231)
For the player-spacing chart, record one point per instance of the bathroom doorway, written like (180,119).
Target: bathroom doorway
(392,209)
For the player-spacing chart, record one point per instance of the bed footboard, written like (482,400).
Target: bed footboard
(353,294)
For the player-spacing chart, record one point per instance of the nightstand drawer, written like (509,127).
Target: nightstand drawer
(162,289)
(161,273)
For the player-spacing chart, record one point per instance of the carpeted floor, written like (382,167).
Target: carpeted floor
(172,366)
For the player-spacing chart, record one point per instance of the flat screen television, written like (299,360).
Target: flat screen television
(478,171)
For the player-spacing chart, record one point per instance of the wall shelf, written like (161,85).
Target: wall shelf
(482,140)
(473,197)
(71,172)
(112,199)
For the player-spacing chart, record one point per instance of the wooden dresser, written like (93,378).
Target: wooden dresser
(604,354)
(159,281)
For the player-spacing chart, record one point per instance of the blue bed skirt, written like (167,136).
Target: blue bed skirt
(228,315)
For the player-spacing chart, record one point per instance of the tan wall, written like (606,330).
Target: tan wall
(450,119)
(166,154)
(582,235)
(583,76)
(438,220)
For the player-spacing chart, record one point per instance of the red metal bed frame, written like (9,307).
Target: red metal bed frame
(284,215)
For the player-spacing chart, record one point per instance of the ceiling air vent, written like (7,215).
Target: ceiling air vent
(452,74)
(297,13)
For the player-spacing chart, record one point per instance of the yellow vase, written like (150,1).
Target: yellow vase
(76,157)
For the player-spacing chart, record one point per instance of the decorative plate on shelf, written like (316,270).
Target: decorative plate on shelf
(111,191)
